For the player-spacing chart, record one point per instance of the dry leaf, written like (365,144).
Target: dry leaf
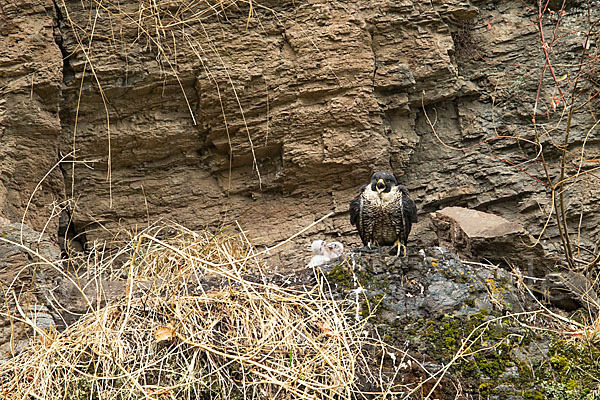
(325,328)
(165,333)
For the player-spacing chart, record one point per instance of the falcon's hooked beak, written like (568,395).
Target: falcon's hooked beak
(380,185)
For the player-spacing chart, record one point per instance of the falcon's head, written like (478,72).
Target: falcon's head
(383,182)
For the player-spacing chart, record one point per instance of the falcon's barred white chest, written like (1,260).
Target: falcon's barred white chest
(382,206)
(383,212)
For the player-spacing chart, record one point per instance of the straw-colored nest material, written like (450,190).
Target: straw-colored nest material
(241,339)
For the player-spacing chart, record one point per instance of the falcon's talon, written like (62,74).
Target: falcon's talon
(399,245)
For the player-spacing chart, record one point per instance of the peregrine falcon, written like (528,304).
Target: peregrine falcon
(383,212)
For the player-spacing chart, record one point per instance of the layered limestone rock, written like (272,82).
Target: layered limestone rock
(31,184)
(31,75)
(293,113)
(275,116)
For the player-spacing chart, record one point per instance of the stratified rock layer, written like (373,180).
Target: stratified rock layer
(275,117)
(31,76)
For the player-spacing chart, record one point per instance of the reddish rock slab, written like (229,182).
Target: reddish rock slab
(477,235)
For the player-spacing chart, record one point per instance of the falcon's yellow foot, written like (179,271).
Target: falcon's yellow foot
(398,245)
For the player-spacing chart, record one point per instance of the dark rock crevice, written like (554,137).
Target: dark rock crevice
(59,24)
(67,238)
(71,241)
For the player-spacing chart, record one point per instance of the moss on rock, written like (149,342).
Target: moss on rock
(452,313)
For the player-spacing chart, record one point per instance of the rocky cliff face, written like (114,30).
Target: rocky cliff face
(274,114)
(31,76)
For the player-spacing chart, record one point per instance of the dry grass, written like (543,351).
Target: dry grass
(201,329)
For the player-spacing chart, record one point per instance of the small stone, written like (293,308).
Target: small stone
(510,373)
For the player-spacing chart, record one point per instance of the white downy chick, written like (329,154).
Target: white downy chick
(334,250)
(324,252)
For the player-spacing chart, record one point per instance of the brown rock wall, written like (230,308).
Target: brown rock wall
(206,116)
(30,91)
